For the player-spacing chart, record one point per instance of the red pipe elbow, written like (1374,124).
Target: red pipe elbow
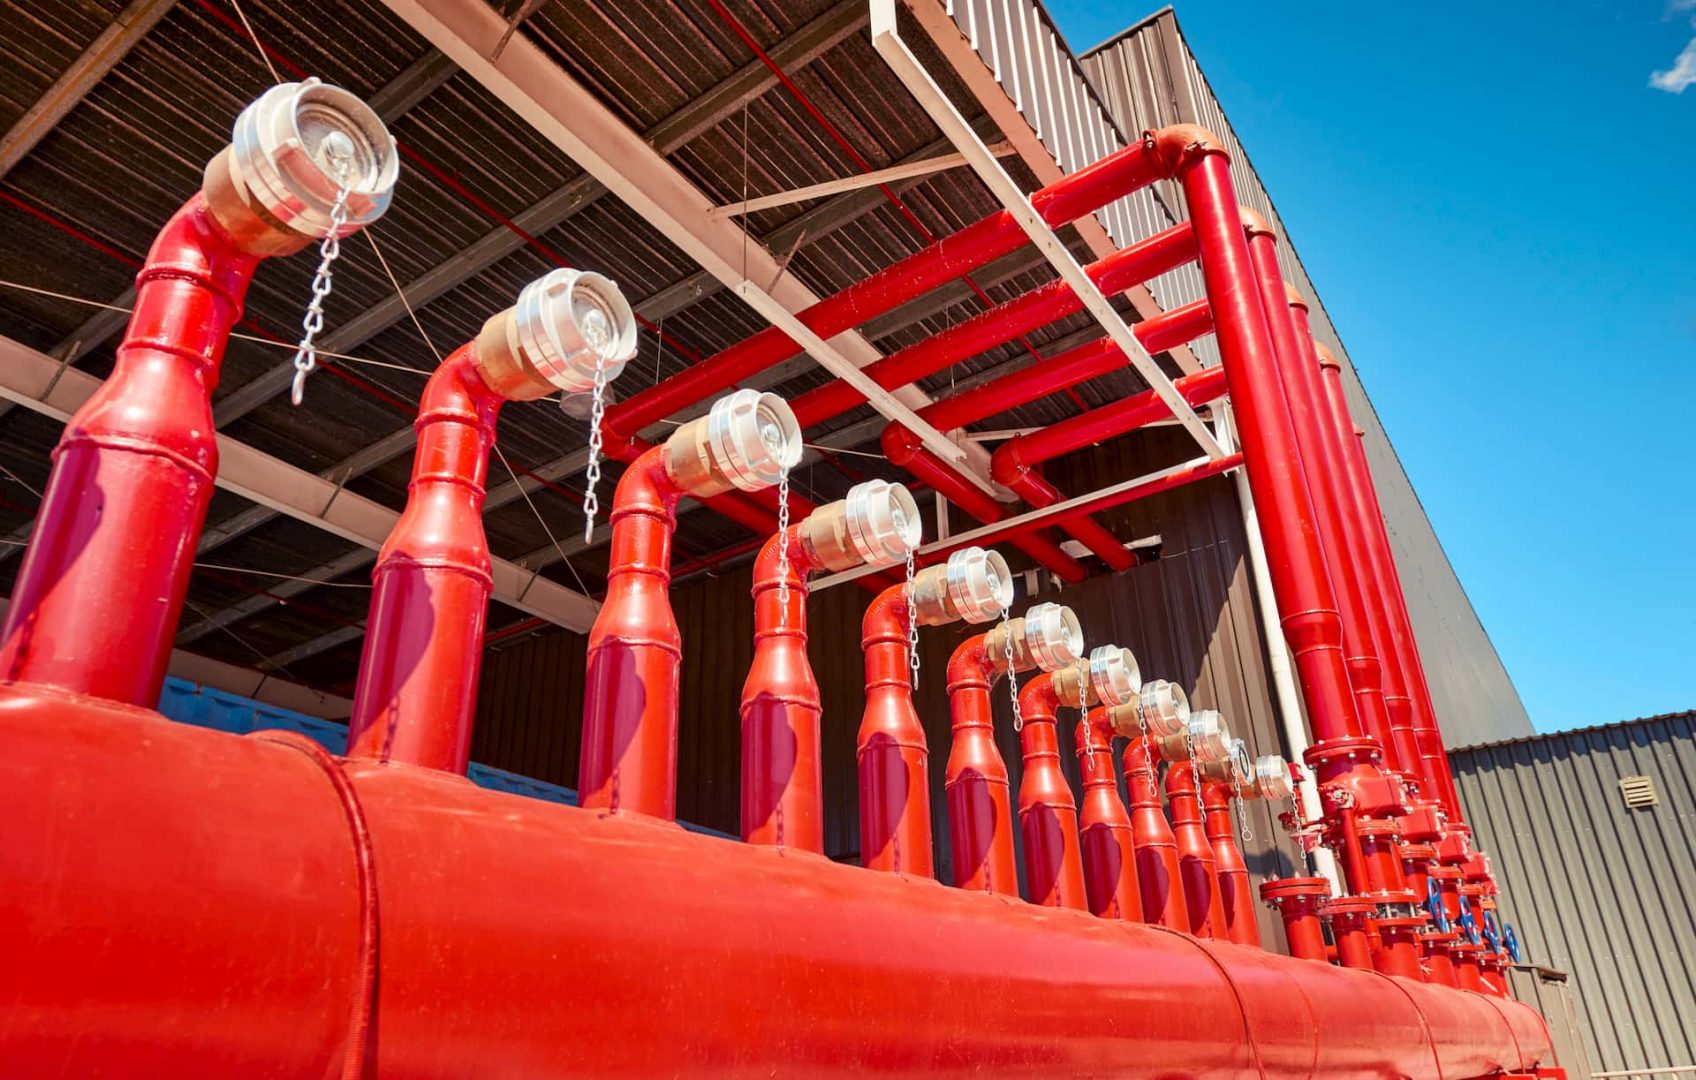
(1175,146)
(890,748)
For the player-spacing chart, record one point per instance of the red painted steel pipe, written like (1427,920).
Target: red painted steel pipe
(1109,852)
(890,748)
(1348,916)
(1123,269)
(417,694)
(1048,815)
(1236,894)
(101,588)
(479,894)
(1159,876)
(1298,902)
(1037,491)
(980,815)
(1065,200)
(1204,911)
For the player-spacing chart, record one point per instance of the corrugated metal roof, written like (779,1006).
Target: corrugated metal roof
(1594,887)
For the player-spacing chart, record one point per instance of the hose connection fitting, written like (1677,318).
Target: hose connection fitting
(1272,780)
(877,524)
(293,150)
(1236,769)
(1162,706)
(1048,637)
(974,586)
(565,324)
(1114,677)
(1204,738)
(747,440)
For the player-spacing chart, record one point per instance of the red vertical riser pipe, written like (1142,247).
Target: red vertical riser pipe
(890,747)
(1159,875)
(1348,916)
(980,818)
(782,782)
(1109,852)
(1298,902)
(1048,814)
(1302,393)
(1063,201)
(416,698)
(1236,893)
(101,588)
(629,755)
(1310,620)
(1203,908)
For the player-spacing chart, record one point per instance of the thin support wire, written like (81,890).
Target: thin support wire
(257,44)
(524,491)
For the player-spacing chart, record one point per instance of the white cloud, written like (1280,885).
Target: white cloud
(1681,74)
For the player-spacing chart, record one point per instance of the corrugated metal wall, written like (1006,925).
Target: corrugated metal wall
(1595,888)
(1149,78)
(1189,616)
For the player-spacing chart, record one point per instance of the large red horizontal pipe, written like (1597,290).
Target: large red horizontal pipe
(431,928)
(1065,200)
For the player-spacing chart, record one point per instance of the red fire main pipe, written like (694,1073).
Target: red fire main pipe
(1236,894)
(1048,815)
(782,784)
(1063,201)
(1203,909)
(1109,852)
(629,756)
(465,977)
(417,693)
(1123,269)
(980,819)
(101,588)
(893,755)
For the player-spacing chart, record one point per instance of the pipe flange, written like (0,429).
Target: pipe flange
(1272,778)
(1208,736)
(568,320)
(288,144)
(753,439)
(980,584)
(883,521)
(1053,636)
(1113,675)
(1164,707)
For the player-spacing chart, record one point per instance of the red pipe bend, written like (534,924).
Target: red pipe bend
(416,699)
(782,781)
(1048,815)
(890,748)
(980,816)
(101,588)
(1104,826)
(865,975)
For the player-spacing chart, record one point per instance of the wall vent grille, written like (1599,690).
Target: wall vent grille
(1639,791)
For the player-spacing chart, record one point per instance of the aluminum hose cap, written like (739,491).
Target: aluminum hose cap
(883,521)
(1272,780)
(980,585)
(1208,736)
(567,320)
(1242,766)
(299,142)
(753,438)
(1053,636)
(1165,708)
(1113,675)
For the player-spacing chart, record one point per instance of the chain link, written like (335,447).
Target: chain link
(592,475)
(783,549)
(1296,817)
(1012,677)
(312,323)
(1247,832)
(1195,769)
(912,623)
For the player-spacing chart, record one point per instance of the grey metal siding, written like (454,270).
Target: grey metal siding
(1149,78)
(1595,888)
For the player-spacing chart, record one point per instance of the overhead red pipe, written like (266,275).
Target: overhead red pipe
(416,697)
(629,755)
(101,589)
(1048,815)
(1236,894)
(1123,269)
(1109,853)
(1065,200)
(782,782)
(890,748)
(980,819)
(1203,909)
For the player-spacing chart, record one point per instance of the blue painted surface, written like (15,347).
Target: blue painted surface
(190,703)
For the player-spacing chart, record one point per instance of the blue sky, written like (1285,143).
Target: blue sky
(1499,211)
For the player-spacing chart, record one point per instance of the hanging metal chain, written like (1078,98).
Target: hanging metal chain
(1195,769)
(1246,832)
(783,549)
(592,475)
(1300,823)
(1142,723)
(912,623)
(1012,676)
(312,324)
